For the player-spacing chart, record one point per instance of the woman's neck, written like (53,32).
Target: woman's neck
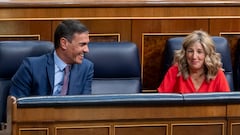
(196,73)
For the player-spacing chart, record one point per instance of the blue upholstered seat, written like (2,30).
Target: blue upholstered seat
(116,67)
(11,56)
(221,45)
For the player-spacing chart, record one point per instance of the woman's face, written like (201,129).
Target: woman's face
(195,55)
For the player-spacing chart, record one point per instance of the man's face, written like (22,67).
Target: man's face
(75,49)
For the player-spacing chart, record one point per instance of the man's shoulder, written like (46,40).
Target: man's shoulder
(88,62)
(85,64)
(39,58)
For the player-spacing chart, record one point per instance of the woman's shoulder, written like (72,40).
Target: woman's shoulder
(220,73)
(173,68)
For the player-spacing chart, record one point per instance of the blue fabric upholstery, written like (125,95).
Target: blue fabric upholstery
(212,98)
(11,56)
(116,67)
(153,99)
(221,45)
(103,99)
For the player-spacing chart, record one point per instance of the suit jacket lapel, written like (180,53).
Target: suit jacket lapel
(75,80)
(50,71)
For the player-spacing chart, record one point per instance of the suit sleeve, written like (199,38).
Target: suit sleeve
(88,85)
(21,81)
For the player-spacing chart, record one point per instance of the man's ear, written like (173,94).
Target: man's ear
(63,43)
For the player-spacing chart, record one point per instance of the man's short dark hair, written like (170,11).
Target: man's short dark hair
(67,29)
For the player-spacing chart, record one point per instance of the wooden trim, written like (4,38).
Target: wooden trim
(200,124)
(107,34)
(21,36)
(118,3)
(33,129)
(229,33)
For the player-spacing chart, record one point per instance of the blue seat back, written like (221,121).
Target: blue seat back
(221,45)
(11,55)
(116,67)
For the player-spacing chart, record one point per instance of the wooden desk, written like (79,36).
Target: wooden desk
(114,116)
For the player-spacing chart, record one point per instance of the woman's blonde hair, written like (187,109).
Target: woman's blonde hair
(212,61)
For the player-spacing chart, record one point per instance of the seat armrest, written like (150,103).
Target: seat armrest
(212,98)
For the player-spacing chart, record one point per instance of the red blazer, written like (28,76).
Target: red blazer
(177,84)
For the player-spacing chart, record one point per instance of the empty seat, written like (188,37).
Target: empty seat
(116,67)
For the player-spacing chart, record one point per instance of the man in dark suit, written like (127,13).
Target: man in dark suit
(44,75)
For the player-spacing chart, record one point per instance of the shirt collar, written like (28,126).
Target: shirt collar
(60,64)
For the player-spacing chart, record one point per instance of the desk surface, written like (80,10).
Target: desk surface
(152,118)
(115,3)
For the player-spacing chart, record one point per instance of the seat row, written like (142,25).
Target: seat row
(117,67)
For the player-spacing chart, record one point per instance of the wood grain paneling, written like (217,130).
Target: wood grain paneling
(19,37)
(229,28)
(235,128)
(233,39)
(141,130)
(82,130)
(35,131)
(109,113)
(122,27)
(119,3)
(42,28)
(199,129)
(216,26)
(111,12)
(114,37)
(107,27)
(165,26)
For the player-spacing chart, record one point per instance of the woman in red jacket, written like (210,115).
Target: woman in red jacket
(197,68)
